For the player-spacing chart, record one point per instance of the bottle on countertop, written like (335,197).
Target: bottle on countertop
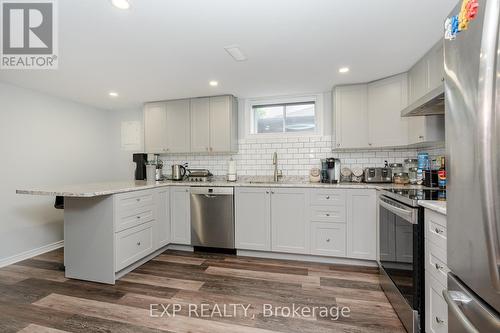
(442,174)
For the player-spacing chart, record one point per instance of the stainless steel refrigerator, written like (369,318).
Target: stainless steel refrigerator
(472,82)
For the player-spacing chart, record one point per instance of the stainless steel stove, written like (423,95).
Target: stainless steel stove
(411,196)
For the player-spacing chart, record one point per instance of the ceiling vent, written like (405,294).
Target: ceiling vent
(235,52)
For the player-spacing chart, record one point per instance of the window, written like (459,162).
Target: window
(284,118)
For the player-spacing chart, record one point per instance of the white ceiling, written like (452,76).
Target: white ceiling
(163,49)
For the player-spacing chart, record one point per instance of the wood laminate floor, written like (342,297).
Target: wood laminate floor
(36,297)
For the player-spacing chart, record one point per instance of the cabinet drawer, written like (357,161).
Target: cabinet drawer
(327,214)
(133,244)
(436,310)
(435,228)
(328,197)
(132,200)
(131,218)
(435,262)
(328,239)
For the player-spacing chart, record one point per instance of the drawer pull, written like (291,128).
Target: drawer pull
(138,217)
(438,231)
(327,214)
(438,267)
(327,197)
(328,240)
(138,243)
(137,199)
(439,320)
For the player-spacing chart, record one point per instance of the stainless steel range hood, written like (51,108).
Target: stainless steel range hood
(429,104)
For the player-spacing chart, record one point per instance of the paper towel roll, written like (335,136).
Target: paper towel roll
(231,168)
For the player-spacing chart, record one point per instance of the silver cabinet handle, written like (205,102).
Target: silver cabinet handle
(486,114)
(438,231)
(438,266)
(138,243)
(138,217)
(327,197)
(267,192)
(439,320)
(328,240)
(420,136)
(327,214)
(137,199)
(453,307)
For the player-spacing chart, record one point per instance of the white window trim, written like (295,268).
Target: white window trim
(318,110)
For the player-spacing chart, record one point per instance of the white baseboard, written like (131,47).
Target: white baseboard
(306,257)
(31,253)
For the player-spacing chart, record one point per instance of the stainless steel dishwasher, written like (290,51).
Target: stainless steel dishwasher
(212,217)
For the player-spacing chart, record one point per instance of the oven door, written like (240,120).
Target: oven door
(401,255)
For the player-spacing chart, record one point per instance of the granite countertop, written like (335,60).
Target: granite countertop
(437,206)
(109,188)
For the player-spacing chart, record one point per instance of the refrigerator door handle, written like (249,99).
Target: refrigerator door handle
(453,307)
(488,173)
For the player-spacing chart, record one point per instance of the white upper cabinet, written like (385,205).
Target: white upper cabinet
(197,125)
(436,66)
(200,125)
(427,74)
(418,78)
(178,126)
(222,120)
(386,99)
(425,129)
(351,116)
(155,125)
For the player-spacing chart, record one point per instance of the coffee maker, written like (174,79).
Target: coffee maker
(330,170)
(140,168)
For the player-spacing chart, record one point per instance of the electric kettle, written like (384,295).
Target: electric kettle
(178,172)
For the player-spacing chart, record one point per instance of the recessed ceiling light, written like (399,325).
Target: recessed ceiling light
(113,94)
(235,52)
(343,70)
(213,83)
(121,4)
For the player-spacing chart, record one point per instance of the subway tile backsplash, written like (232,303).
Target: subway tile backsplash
(296,155)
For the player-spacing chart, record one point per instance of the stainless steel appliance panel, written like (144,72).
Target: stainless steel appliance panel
(212,217)
(473,151)
(466,312)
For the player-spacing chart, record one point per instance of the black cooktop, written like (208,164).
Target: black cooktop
(411,196)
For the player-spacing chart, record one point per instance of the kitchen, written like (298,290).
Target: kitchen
(316,181)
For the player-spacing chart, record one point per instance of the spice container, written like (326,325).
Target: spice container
(412,175)
(401,178)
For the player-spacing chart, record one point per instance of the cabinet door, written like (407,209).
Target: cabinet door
(200,125)
(155,128)
(180,215)
(178,126)
(351,116)
(290,231)
(163,221)
(426,129)
(386,99)
(253,218)
(362,224)
(220,123)
(436,309)
(418,80)
(435,61)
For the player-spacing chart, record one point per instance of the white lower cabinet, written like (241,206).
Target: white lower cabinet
(328,239)
(133,244)
(362,224)
(180,215)
(163,217)
(253,218)
(289,227)
(436,270)
(326,222)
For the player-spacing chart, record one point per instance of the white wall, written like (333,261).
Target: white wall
(44,141)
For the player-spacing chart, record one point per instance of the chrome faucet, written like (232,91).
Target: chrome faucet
(277,173)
